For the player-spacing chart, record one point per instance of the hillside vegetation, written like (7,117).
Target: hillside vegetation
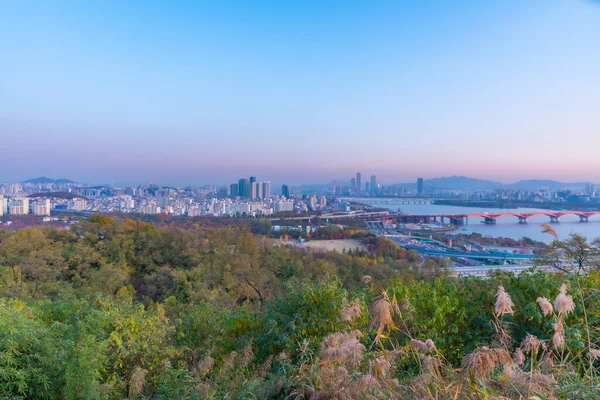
(111,310)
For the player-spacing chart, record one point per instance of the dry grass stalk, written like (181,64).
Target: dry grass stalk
(342,348)
(536,382)
(137,381)
(351,311)
(431,365)
(531,344)
(547,361)
(427,345)
(247,355)
(483,361)
(547,228)
(504,304)
(564,303)
(381,313)
(263,370)
(229,362)
(545,306)
(558,339)
(519,357)
(204,367)
(405,305)
(594,354)
(380,367)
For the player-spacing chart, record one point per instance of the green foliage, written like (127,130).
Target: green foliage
(308,313)
(111,310)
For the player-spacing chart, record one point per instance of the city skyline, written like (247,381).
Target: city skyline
(200,92)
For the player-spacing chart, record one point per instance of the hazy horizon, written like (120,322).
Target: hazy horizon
(339,181)
(208,92)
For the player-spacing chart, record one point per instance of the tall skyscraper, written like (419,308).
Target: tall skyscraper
(266,190)
(420,187)
(353,185)
(243,187)
(233,190)
(255,190)
(285,191)
(358,184)
(373,184)
(251,183)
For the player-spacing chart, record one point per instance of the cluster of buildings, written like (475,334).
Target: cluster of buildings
(371,188)
(20,205)
(247,197)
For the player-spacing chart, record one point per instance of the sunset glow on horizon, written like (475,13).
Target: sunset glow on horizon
(207,92)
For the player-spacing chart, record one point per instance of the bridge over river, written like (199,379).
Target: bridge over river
(488,218)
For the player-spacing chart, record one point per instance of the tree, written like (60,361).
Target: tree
(263,226)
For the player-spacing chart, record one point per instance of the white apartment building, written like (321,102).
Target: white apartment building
(283,205)
(150,209)
(41,207)
(77,205)
(19,206)
(3,205)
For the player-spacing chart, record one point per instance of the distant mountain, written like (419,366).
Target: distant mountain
(534,184)
(461,182)
(466,183)
(455,182)
(43,180)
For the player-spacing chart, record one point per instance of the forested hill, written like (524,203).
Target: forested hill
(110,310)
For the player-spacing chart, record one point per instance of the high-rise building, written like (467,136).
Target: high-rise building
(255,190)
(420,187)
(285,191)
(266,190)
(312,201)
(77,205)
(3,205)
(353,185)
(358,183)
(367,188)
(222,192)
(19,206)
(41,207)
(334,186)
(243,187)
(283,205)
(373,185)
(233,190)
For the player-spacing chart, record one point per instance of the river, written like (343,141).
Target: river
(506,226)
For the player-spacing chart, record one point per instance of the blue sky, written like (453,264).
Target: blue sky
(207,92)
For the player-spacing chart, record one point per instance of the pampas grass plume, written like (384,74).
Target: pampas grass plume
(504,304)
(381,313)
(564,303)
(545,306)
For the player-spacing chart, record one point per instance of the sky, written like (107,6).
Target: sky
(197,92)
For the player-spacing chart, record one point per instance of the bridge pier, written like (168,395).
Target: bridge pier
(522,220)
(490,221)
(583,218)
(553,219)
